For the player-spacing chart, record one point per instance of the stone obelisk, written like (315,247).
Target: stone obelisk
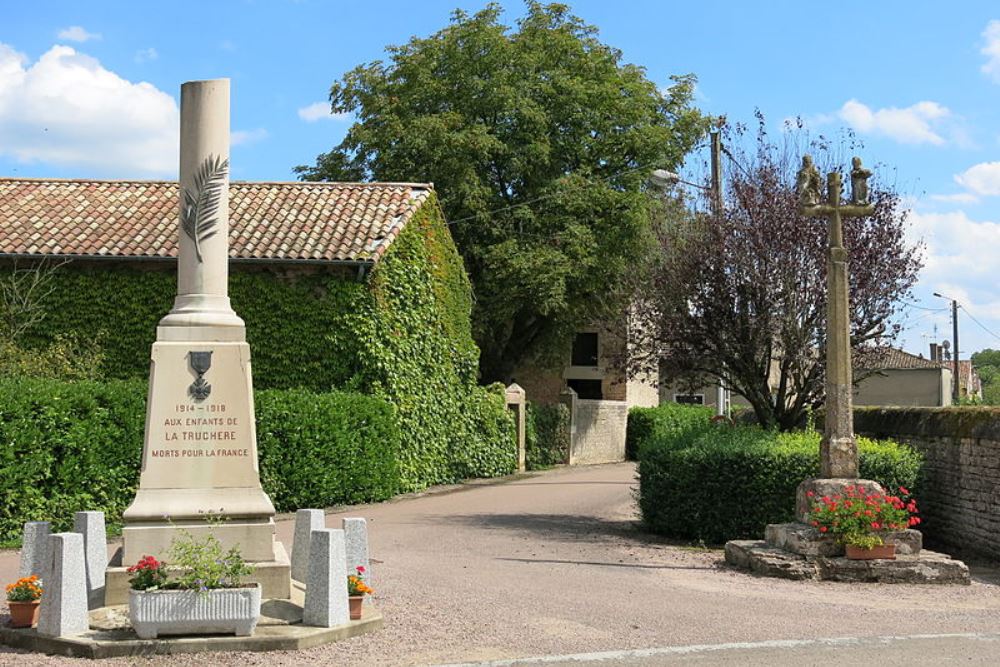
(199,459)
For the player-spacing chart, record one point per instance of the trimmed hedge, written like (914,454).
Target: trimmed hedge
(72,446)
(672,421)
(730,482)
(546,435)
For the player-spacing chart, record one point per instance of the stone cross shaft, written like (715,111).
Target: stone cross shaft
(838,450)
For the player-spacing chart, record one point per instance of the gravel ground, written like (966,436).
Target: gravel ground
(552,564)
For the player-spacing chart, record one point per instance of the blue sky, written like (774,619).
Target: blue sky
(89,90)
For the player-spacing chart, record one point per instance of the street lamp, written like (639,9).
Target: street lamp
(663,179)
(956,391)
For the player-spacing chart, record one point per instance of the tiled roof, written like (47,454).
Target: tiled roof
(884,358)
(326,222)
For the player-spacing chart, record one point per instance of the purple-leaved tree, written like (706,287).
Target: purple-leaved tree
(741,295)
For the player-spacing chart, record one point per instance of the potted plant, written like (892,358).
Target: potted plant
(356,591)
(202,591)
(23,597)
(861,520)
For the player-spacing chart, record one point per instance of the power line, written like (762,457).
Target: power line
(913,305)
(981,325)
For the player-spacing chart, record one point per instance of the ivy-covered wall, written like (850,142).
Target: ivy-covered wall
(402,334)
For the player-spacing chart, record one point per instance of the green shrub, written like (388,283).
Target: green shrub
(669,421)
(546,435)
(318,450)
(730,482)
(66,357)
(72,446)
(67,447)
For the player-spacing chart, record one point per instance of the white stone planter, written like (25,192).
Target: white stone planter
(155,613)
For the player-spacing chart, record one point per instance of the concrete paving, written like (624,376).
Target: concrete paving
(553,565)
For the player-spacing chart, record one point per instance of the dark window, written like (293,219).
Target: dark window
(585,349)
(690,399)
(589,389)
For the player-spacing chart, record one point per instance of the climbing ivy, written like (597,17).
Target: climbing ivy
(403,335)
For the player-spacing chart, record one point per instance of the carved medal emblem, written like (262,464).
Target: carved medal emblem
(200,363)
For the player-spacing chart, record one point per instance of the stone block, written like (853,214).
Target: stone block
(759,558)
(63,611)
(908,542)
(802,539)
(306,521)
(927,568)
(827,487)
(356,542)
(326,584)
(35,548)
(95,549)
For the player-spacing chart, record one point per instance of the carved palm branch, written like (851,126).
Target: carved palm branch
(201,204)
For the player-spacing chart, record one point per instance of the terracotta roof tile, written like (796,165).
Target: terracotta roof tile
(268,221)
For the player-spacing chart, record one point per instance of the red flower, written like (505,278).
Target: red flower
(904,491)
(822,529)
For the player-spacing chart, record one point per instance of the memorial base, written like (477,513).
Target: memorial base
(274,577)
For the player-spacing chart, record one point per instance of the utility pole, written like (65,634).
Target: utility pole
(716,195)
(956,393)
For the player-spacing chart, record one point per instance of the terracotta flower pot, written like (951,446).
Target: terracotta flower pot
(23,614)
(354,604)
(882,552)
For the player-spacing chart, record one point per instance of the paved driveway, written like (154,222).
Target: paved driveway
(551,565)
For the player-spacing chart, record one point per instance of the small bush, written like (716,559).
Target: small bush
(730,482)
(671,422)
(547,435)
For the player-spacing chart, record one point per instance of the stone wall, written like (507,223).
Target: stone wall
(598,431)
(960,496)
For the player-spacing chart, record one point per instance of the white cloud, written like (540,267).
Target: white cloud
(958,198)
(982,179)
(319,111)
(77,33)
(960,261)
(244,137)
(145,55)
(958,250)
(913,125)
(67,109)
(991,50)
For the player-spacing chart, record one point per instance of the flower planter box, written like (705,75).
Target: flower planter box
(881,552)
(223,610)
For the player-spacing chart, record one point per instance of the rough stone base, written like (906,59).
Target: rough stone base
(926,568)
(110,636)
(805,540)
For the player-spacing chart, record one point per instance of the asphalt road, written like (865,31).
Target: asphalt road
(550,569)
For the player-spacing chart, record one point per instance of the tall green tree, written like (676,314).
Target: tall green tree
(539,141)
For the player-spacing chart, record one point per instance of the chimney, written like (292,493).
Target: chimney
(934,352)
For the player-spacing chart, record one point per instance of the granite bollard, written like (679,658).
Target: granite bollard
(63,610)
(326,584)
(356,544)
(306,521)
(34,548)
(95,547)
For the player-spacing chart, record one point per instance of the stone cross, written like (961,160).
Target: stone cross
(838,449)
